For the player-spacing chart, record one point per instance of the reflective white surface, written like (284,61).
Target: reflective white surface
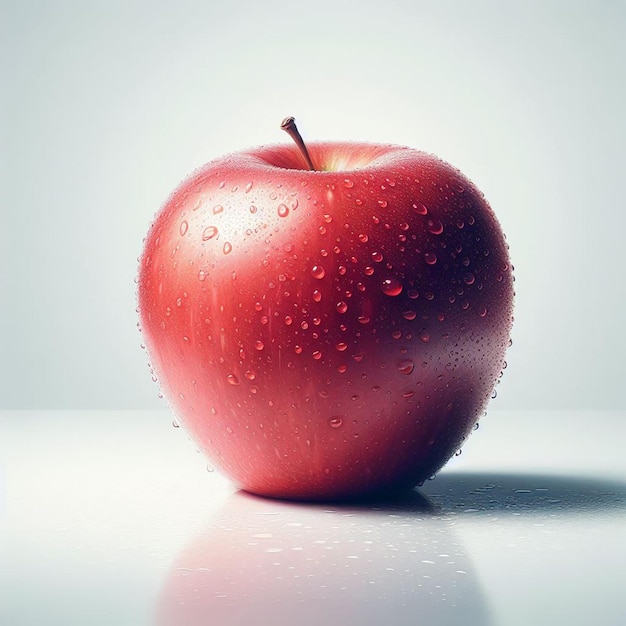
(111,518)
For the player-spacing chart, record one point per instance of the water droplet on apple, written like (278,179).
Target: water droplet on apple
(363,319)
(413,294)
(377,256)
(469,278)
(248,187)
(363,238)
(232,379)
(179,302)
(391,287)
(250,375)
(348,183)
(420,209)
(283,210)
(342,307)
(409,315)
(341,346)
(218,208)
(396,334)
(227,248)
(209,232)
(435,226)
(210,469)
(406,367)
(424,336)
(184,226)
(368,271)
(201,275)
(430,258)
(259,345)
(317,271)
(382,204)
(336,421)
(317,355)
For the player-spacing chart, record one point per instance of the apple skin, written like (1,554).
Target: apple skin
(325,335)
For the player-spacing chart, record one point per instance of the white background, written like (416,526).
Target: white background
(106,106)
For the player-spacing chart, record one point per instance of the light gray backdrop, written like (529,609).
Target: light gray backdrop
(106,106)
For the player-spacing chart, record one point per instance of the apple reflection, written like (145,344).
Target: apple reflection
(272,562)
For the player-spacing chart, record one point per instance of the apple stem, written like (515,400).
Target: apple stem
(289,126)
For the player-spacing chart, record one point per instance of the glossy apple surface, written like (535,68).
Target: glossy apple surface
(326,334)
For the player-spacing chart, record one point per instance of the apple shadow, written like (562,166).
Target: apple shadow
(484,493)
(407,501)
(480,493)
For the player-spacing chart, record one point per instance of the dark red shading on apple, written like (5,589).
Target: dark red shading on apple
(326,334)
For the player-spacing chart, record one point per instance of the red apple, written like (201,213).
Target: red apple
(327,333)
